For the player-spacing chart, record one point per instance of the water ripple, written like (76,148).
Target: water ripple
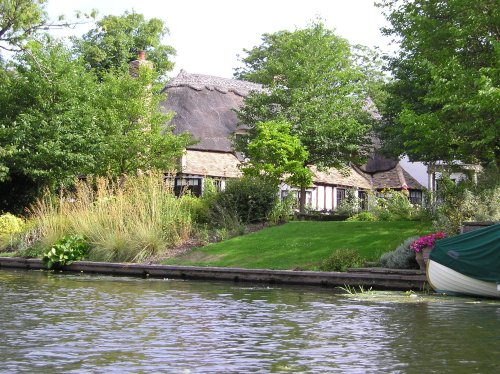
(52,322)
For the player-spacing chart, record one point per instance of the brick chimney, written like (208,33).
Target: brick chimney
(133,66)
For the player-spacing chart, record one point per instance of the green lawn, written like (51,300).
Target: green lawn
(302,244)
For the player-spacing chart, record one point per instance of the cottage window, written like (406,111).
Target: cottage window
(415,197)
(182,185)
(340,196)
(284,194)
(363,200)
(218,184)
(296,195)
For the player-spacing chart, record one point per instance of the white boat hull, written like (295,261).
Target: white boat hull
(445,280)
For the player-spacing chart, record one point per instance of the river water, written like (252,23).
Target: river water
(54,322)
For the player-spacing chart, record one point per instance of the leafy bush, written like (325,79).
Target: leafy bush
(456,203)
(65,251)
(320,217)
(487,191)
(11,228)
(34,251)
(393,206)
(350,205)
(363,217)
(488,205)
(250,199)
(198,208)
(403,257)
(342,259)
(464,201)
(282,210)
(10,224)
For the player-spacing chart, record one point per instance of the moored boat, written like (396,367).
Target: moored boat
(467,264)
(445,280)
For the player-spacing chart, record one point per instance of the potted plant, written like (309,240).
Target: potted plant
(423,246)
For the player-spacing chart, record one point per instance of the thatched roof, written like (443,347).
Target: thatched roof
(349,178)
(377,163)
(395,178)
(204,106)
(214,164)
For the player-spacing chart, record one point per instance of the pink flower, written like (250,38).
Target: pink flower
(427,241)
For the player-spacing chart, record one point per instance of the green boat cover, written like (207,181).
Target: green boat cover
(475,253)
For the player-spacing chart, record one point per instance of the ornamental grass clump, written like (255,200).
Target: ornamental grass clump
(128,220)
(426,241)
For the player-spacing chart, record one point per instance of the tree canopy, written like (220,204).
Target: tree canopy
(311,82)
(133,128)
(277,155)
(116,40)
(444,101)
(46,113)
(60,117)
(23,20)
(20,19)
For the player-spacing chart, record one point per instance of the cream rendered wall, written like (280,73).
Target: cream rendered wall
(329,198)
(323,198)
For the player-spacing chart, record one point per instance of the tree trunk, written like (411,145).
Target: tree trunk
(302,200)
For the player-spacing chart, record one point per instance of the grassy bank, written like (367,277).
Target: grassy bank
(303,245)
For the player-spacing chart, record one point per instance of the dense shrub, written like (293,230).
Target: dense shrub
(455,204)
(10,225)
(402,257)
(363,217)
(17,193)
(282,210)
(488,205)
(318,216)
(488,192)
(342,259)
(393,206)
(350,205)
(198,208)
(250,199)
(466,201)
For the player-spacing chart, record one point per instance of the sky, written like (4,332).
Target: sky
(210,34)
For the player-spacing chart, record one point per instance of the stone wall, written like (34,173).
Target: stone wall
(471,226)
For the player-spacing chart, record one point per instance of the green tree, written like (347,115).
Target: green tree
(23,20)
(20,19)
(58,120)
(277,155)
(116,40)
(313,83)
(134,136)
(48,132)
(444,100)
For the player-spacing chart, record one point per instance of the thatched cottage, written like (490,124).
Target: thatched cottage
(204,106)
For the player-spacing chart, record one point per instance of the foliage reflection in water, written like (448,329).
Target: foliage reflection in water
(79,323)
